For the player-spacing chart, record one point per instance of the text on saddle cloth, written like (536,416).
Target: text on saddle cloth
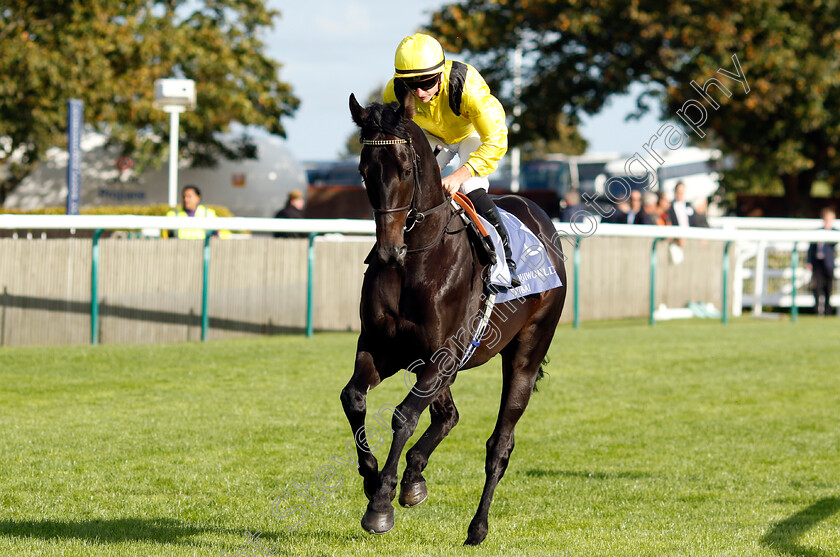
(535,269)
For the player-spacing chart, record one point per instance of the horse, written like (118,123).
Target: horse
(423,286)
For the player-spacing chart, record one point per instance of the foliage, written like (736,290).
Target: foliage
(566,140)
(142,210)
(578,54)
(689,438)
(109,54)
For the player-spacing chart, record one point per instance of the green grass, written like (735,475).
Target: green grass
(688,438)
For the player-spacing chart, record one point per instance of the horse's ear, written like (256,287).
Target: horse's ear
(407,105)
(359,113)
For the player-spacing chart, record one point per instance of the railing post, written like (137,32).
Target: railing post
(94,288)
(738,281)
(724,314)
(310,271)
(794,263)
(205,283)
(653,280)
(758,287)
(576,273)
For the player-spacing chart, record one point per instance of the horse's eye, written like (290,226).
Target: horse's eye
(408,171)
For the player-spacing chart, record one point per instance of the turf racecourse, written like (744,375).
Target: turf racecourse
(688,438)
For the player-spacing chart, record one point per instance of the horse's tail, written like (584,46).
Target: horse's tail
(540,373)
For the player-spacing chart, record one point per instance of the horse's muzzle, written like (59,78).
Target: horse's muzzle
(392,255)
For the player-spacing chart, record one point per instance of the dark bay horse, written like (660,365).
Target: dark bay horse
(421,293)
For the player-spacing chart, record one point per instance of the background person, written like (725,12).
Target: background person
(292,210)
(620,213)
(635,206)
(456,110)
(821,263)
(663,206)
(572,199)
(681,210)
(190,207)
(698,218)
(648,214)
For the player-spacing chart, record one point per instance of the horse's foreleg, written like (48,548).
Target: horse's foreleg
(354,401)
(515,396)
(444,418)
(379,517)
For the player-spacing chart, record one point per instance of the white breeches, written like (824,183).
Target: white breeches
(463,149)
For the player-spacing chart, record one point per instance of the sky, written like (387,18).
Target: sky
(331,48)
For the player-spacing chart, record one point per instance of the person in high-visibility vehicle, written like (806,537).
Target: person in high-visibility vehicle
(460,116)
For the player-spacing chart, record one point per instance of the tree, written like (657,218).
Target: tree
(109,54)
(565,139)
(783,115)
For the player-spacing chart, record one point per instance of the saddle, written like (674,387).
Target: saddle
(475,229)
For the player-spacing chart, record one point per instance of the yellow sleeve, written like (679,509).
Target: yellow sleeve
(488,117)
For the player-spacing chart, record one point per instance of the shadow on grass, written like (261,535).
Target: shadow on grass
(541,473)
(784,536)
(106,531)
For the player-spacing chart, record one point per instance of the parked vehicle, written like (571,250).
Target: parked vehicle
(248,187)
(697,168)
(334,173)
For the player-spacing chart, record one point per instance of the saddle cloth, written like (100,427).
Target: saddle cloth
(534,268)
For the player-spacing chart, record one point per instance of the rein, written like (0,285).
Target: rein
(416,216)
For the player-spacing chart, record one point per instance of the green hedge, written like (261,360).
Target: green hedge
(143,210)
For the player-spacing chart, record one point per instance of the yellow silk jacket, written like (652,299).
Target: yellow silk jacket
(480,111)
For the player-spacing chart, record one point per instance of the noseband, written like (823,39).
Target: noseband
(413,214)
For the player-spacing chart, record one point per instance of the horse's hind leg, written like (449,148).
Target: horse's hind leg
(520,374)
(354,400)
(444,418)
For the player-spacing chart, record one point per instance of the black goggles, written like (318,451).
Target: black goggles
(424,84)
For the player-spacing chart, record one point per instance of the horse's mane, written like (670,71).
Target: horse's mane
(386,118)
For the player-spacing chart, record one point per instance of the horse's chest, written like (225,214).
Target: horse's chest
(391,322)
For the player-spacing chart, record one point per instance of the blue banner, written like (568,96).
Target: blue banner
(75,121)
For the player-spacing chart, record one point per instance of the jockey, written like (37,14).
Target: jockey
(457,113)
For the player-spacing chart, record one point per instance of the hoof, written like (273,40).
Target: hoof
(413,494)
(476,534)
(378,523)
(474,540)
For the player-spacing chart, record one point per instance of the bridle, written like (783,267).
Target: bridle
(413,214)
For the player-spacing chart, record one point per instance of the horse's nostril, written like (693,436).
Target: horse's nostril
(392,254)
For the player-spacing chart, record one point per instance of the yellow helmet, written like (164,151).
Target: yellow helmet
(418,55)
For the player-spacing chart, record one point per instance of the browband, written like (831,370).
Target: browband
(364,141)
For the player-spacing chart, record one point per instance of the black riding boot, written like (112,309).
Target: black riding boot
(487,209)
